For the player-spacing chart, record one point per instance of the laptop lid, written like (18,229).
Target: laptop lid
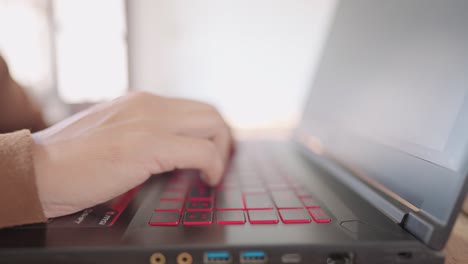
(389,103)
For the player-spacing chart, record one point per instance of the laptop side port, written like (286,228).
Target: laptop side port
(184,258)
(253,257)
(217,257)
(340,258)
(157,258)
(291,258)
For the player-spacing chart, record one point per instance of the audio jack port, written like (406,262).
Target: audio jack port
(158,258)
(184,258)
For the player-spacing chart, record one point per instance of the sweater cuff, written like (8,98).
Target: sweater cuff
(19,198)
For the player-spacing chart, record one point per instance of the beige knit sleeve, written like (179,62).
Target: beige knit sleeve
(19,200)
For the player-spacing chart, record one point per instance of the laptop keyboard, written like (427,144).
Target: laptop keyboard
(264,197)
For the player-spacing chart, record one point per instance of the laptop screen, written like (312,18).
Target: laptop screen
(390,98)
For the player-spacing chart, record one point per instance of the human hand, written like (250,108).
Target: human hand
(110,148)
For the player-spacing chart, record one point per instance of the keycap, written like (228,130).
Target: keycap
(165,219)
(230,179)
(172,196)
(201,193)
(254,189)
(253,185)
(198,218)
(286,199)
(262,217)
(293,181)
(301,191)
(251,181)
(319,215)
(181,186)
(167,206)
(199,182)
(230,217)
(180,179)
(199,206)
(274,179)
(278,186)
(294,216)
(229,200)
(228,186)
(258,201)
(229,183)
(310,202)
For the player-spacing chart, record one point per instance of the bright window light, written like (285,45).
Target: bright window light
(91,49)
(25,43)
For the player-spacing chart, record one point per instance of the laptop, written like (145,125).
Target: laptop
(374,173)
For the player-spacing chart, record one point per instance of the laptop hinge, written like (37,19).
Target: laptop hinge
(419,228)
(370,194)
(396,213)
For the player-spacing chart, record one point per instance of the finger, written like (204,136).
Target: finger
(210,126)
(204,128)
(192,118)
(223,141)
(187,117)
(207,125)
(214,130)
(183,152)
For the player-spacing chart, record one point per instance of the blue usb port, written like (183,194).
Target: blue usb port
(253,257)
(217,257)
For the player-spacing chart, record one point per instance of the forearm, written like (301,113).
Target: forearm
(17,110)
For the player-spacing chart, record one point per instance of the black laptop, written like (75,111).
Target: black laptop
(374,173)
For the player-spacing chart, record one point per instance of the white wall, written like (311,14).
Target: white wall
(252,59)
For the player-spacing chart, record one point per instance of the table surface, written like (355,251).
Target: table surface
(456,250)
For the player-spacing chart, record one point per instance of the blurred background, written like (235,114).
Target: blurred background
(254,60)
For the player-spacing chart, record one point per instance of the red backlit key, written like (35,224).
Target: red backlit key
(319,215)
(286,199)
(172,196)
(165,219)
(201,193)
(230,182)
(199,206)
(259,201)
(262,217)
(198,218)
(167,206)
(309,202)
(229,200)
(294,216)
(230,217)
